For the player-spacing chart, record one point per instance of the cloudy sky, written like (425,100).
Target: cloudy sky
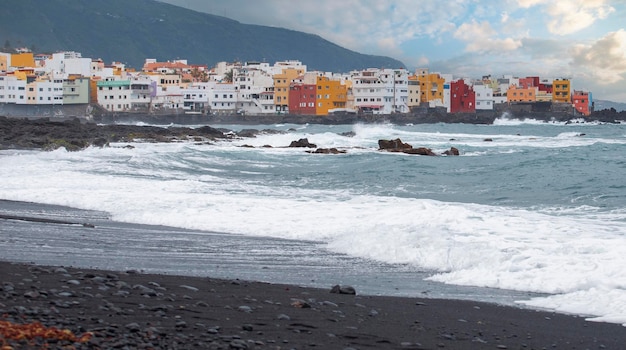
(584,40)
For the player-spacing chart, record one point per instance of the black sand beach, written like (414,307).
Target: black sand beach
(118,308)
(131,310)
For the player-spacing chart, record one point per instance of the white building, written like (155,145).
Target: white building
(223,99)
(255,87)
(484,97)
(68,62)
(12,90)
(114,95)
(196,97)
(381,91)
(45,92)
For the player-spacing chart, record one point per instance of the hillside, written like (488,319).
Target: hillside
(131,31)
(603,104)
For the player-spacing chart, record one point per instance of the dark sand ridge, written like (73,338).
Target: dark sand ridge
(130,310)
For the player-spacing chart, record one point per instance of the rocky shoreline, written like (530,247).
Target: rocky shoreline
(48,307)
(78,133)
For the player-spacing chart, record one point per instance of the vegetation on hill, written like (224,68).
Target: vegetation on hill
(131,31)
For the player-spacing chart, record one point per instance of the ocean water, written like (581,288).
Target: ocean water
(527,206)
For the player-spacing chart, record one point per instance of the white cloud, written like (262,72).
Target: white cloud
(570,16)
(604,60)
(481,37)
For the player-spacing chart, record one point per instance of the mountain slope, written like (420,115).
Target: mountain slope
(131,31)
(603,104)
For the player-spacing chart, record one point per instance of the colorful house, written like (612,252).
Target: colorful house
(583,102)
(462,97)
(521,94)
(331,95)
(561,90)
(282,83)
(431,86)
(302,98)
(414,97)
(25,59)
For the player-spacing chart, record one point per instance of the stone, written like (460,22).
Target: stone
(421,151)
(302,143)
(393,145)
(453,151)
(337,289)
(327,151)
(193,289)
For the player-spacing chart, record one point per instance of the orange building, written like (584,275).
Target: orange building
(25,59)
(561,90)
(4,62)
(282,82)
(331,94)
(431,86)
(582,101)
(520,94)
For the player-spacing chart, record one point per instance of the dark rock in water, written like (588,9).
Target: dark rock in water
(337,289)
(100,142)
(302,143)
(327,151)
(488,140)
(248,133)
(246,146)
(393,145)
(75,135)
(421,151)
(453,151)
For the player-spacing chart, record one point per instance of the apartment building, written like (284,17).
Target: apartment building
(331,95)
(521,94)
(380,91)
(431,87)
(114,95)
(561,90)
(583,102)
(462,97)
(484,96)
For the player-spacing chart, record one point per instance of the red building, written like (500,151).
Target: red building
(582,102)
(528,82)
(302,98)
(462,97)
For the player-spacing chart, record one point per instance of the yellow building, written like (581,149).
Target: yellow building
(414,99)
(431,86)
(281,87)
(25,59)
(519,94)
(331,94)
(561,90)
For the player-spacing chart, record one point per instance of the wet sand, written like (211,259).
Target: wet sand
(131,310)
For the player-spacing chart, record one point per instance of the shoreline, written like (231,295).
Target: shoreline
(151,311)
(219,255)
